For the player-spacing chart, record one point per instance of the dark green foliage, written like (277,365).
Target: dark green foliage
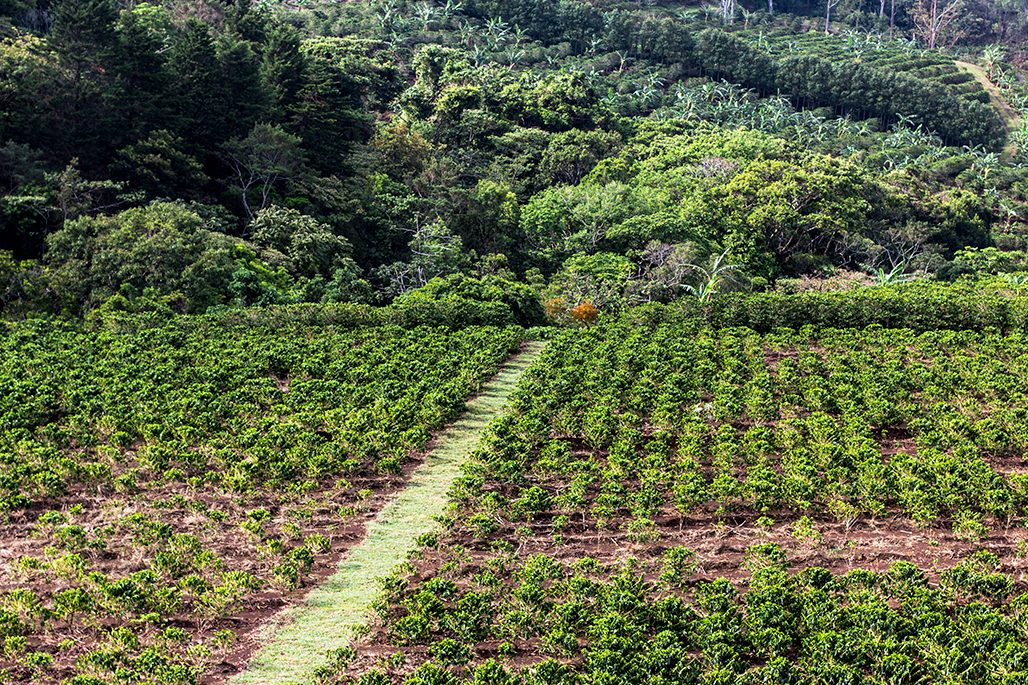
(783,629)
(327,111)
(159,165)
(143,83)
(283,68)
(206,406)
(725,56)
(450,652)
(512,131)
(83,33)
(193,62)
(864,91)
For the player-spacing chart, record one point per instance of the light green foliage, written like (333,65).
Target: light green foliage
(774,208)
(625,393)
(989,260)
(597,278)
(489,224)
(163,247)
(326,387)
(265,410)
(310,247)
(811,418)
(165,257)
(571,155)
(337,608)
(784,628)
(564,221)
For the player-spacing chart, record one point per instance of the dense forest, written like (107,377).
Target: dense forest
(205,154)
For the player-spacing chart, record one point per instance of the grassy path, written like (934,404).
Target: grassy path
(303,636)
(1006,112)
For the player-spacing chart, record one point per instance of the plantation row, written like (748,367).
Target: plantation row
(919,306)
(159,484)
(651,622)
(851,87)
(783,495)
(617,422)
(237,409)
(874,51)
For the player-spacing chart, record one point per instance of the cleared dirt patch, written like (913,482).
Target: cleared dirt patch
(120,534)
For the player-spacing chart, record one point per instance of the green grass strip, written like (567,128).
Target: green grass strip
(1006,112)
(299,639)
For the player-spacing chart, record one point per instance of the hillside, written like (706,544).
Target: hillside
(257,258)
(231,155)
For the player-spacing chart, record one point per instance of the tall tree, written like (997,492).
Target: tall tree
(282,70)
(83,34)
(328,111)
(263,158)
(727,11)
(142,77)
(829,4)
(933,21)
(245,98)
(83,37)
(194,65)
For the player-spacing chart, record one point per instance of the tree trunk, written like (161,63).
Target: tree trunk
(727,11)
(933,24)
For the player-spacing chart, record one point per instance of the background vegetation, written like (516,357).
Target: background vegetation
(237,154)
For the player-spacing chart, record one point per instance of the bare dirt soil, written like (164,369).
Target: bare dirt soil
(1006,112)
(115,548)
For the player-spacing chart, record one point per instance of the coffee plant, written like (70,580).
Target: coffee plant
(154,478)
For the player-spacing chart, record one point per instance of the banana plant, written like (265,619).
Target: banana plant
(1015,278)
(881,277)
(712,278)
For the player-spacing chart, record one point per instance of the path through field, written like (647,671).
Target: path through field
(299,639)
(1006,112)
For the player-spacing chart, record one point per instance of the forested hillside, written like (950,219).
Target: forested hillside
(190,155)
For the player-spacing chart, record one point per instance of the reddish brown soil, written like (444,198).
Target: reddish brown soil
(180,506)
(235,548)
(719,542)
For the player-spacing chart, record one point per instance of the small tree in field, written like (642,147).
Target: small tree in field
(585,313)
